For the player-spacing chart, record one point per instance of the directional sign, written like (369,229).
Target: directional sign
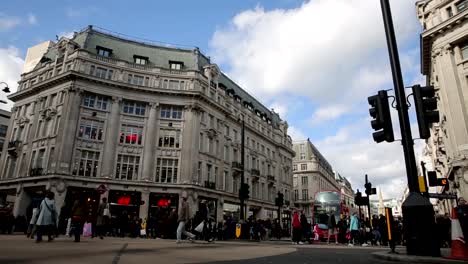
(442,196)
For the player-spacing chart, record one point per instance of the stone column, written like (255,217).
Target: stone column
(150,145)
(451,87)
(144,208)
(60,192)
(68,128)
(22,201)
(111,139)
(190,143)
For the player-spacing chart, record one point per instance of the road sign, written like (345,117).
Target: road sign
(442,196)
(238,230)
(101,189)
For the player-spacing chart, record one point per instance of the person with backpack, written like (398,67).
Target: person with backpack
(47,219)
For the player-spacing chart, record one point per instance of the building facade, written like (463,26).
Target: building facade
(444,62)
(105,116)
(4,122)
(312,173)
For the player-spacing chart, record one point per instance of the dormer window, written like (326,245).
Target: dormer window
(105,52)
(140,60)
(176,65)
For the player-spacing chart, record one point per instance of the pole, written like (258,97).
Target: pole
(242,205)
(402,107)
(418,213)
(368,192)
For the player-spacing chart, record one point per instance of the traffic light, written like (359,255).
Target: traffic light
(358,198)
(434,181)
(279,201)
(244,192)
(382,122)
(425,103)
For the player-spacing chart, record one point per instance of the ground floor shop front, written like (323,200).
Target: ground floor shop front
(127,200)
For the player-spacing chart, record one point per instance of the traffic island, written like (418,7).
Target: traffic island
(404,258)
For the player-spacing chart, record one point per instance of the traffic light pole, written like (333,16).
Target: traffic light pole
(418,213)
(241,197)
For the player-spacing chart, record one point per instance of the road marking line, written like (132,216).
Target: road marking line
(119,253)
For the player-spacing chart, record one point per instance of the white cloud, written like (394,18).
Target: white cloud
(67,34)
(305,51)
(74,12)
(11,66)
(296,134)
(328,112)
(8,22)
(32,19)
(280,108)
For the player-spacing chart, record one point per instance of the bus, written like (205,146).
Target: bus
(326,202)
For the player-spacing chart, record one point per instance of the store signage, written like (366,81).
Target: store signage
(124,200)
(163,202)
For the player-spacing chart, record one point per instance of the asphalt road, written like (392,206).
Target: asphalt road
(18,249)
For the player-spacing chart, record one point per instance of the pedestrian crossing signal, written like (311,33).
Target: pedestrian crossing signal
(434,181)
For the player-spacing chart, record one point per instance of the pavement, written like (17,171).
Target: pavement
(18,249)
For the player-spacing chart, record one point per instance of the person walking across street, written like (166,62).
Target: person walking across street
(184,215)
(32,223)
(305,228)
(103,217)
(332,227)
(77,214)
(296,225)
(354,228)
(47,219)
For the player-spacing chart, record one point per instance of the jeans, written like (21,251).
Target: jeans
(77,230)
(181,229)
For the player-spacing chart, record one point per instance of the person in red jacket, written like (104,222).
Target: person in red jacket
(296,224)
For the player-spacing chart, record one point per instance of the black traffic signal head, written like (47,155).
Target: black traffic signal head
(368,187)
(244,192)
(425,103)
(382,122)
(434,181)
(279,201)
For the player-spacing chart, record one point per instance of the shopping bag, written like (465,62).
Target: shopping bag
(199,228)
(143,232)
(68,227)
(87,230)
(107,211)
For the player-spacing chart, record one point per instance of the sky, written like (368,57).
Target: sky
(314,62)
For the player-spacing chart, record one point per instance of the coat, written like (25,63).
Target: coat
(101,219)
(35,214)
(47,213)
(354,224)
(184,212)
(296,223)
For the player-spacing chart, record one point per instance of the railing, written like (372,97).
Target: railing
(236,165)
(255,172)
(210,185)
(36,172)
(14,144)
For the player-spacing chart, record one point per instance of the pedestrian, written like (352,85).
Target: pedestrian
(103,217)
(332,227)
(47,219)
(354,228)
(77,222)
(342,227)
(32,223)
(305,228)
(184,215)
(296,225)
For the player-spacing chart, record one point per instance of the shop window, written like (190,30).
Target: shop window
(167,170)
(128,167)
(86,164)
(169,138)
(131,134)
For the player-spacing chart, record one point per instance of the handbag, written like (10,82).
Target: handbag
(200,226)
(107,211)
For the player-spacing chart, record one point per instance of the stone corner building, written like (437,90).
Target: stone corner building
(444,62)
(149,123)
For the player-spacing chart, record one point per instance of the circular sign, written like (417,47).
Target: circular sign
(101,189)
